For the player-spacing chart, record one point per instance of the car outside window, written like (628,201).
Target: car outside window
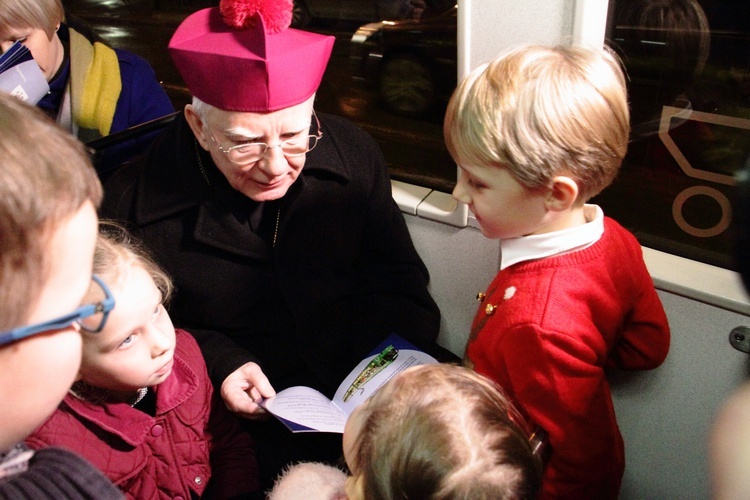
(393,76)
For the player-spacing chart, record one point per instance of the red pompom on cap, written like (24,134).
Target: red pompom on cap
(276,14)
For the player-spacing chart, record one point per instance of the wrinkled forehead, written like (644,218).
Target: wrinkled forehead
(251,124)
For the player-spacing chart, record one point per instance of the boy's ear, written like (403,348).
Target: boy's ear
(562,195)
(196,125)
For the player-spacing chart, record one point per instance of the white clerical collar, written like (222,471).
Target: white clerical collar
(537,246)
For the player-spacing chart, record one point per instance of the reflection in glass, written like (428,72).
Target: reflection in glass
(688,65)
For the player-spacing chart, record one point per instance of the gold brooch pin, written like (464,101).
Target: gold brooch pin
(489,309)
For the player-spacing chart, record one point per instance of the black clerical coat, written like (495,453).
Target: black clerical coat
(342,275)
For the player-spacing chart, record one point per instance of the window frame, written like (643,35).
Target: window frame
(693,279)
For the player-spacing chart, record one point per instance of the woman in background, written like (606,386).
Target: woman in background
(95,90)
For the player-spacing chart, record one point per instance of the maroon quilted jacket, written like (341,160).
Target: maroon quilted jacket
(166,456)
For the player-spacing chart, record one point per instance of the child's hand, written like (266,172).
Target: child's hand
(244,388)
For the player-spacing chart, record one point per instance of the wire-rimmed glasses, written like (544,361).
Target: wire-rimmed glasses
(242,154)
(91,317)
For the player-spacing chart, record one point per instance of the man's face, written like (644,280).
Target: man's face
(270,177)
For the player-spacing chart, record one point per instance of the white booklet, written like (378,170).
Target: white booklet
(303,409)
(21,76)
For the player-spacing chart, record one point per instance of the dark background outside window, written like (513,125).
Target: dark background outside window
(688,66)
(395,83)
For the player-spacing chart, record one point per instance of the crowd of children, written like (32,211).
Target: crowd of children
(111,399)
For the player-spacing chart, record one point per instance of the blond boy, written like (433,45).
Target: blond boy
(536,133)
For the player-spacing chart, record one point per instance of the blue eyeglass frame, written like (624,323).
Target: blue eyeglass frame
(83,312)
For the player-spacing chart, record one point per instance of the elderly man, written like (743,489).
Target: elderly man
(276,223)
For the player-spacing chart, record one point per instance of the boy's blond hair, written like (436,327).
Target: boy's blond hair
(45,178)
(541,112)
(38,14)
(444,432)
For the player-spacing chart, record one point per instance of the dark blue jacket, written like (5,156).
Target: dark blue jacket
(141,99)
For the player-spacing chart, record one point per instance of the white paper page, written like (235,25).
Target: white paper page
(308,407)
(25,81)
(406,358)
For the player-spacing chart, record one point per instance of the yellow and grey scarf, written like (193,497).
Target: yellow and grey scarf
(94,85)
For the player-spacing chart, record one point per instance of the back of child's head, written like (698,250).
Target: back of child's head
(46,176)
(541,112)
(117,253)
(22,14)
(444,432)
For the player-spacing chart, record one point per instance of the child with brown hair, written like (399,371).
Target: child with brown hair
(536,133)
(49,193)
(432,432)
(143,408)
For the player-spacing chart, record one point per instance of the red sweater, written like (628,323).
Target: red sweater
(558,322)
(192,438)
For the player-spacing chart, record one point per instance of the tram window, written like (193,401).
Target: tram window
(688,64)
(394,67)
(392,70)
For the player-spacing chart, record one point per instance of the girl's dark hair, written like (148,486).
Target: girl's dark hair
(741,224)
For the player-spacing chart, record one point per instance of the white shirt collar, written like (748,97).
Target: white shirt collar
(537,246)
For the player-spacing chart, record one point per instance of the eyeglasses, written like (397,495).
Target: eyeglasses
(91,317)
(242,154)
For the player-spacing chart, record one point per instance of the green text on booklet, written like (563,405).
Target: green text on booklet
(303,409)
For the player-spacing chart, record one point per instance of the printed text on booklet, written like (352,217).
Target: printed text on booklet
(303,409)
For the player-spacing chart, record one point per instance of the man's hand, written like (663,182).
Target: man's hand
(244,388)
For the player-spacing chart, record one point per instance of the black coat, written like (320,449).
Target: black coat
(343,273)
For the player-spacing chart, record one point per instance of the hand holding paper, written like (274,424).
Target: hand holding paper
(303,409)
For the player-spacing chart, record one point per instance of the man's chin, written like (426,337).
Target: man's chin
(260,195)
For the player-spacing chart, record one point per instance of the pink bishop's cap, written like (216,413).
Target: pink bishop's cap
(242,56)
